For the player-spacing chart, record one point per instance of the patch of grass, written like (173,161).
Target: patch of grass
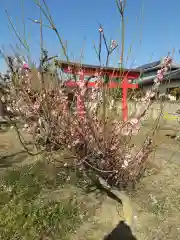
(25,215)
(156,202)
(31,220)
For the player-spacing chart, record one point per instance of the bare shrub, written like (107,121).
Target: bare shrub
(97,141)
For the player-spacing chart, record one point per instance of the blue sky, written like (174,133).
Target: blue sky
(152,27)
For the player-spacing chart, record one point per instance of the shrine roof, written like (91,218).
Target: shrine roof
(64,64)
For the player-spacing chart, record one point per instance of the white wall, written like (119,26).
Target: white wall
(167,84)
(154,112)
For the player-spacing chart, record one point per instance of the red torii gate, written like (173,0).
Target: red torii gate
(90,70)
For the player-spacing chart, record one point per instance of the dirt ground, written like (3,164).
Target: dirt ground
(156,201)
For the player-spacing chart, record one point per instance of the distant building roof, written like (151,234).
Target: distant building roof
(171,75)
(149,65)
(155,66)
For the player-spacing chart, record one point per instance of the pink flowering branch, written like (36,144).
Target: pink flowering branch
(133,125)
(55,124)
(109,49)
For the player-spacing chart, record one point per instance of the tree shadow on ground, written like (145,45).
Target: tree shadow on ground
(88,182)
(14,158)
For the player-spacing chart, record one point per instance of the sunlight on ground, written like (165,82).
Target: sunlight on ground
(156,201)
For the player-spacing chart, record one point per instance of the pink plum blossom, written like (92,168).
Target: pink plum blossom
(113,44)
